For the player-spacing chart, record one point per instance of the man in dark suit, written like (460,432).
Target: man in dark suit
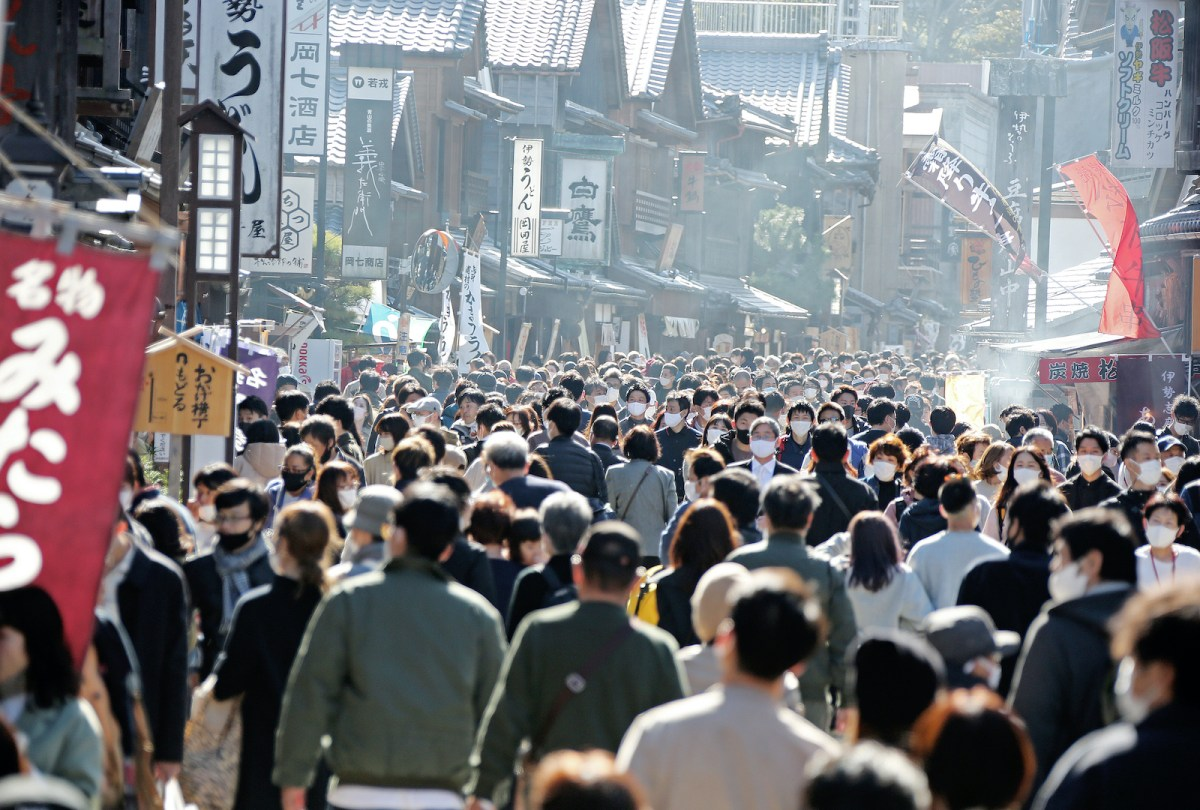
(604,441)
(145,591)
(506,461)
(764,439)
(842,497)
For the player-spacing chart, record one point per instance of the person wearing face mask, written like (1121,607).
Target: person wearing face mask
(1164,560)
(664,384)
(1149,760)
(337,487)
(699,465)
(970,645)
(1063,673)
(1143,466)
(881,420)
(764,439)
(428,411)
(1184,412)
(1091,486)
(798,441)
(886,460)
(205,484)
(703,400)
(637,406)
(714,430)
(238,563)
(1172,454)
(675,438)
(296,481)
(735,445)
(389,430)
(1025,466)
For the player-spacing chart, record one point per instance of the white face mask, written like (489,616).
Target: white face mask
(1001,473)
(613,393)
(666,382)
(360,413)
(1183,430)
(1024,475)
(671,419)
(1149,472)
(714,435)
(1110,460)
(1174,463)
(811,393)
(207,512)
(885,471)
(826,365)
(1067,583)
(1160,536)
(847,366)
(636,408)
(801,427)
(387,444)
(1133,708)
(824,384)
(706,412)
(762,448)
(691,490)
(125,497)
(884,377)
(1089,464)
(347,498)
(770,389)
(417,419)
(993,670)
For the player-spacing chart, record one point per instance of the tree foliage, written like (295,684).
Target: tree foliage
(787,263)
(963,30)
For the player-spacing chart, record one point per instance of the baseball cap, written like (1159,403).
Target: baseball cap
(376,508)
(966,632)
(710,600)
(424,404)
(1167,442)
(612,544)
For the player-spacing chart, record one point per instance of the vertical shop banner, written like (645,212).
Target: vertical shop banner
(966,394)
(472,340)
(297,229)
(240,54)
(1146,66)
(72,330)
(447,333)
(191,24)
(263,365)
(522,343)
(526,197)
(307,61)
(1146,387)
(691,181)
(367,194)
(31,38)
(583,192)
(975,260)
(1015,169)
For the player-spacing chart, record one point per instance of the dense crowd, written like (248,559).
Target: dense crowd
(634,582)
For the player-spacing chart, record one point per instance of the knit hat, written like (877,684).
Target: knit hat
(376,508)
(710,600)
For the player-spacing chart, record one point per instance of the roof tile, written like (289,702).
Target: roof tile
(416,26)
(650,28)
(537,34)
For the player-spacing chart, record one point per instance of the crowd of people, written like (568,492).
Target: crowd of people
(796,581)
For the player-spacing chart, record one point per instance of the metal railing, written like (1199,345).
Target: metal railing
(842,19)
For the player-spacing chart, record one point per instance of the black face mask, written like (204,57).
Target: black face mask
(232,542)
(743,436)
(294,481)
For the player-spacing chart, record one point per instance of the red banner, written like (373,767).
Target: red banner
(72,331)
(1073,370)
(1106,199)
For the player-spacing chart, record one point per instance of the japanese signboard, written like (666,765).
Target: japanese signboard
(71,337)
(1148,385)
(240,57)
(839,239)
(30,53)
(1074,370)
(691,181)
(1147,63)
(472,340)
(314,360)
(367,200)
(1015,173)
(975,260)
(447,334)
(550,239)
(190,73)
(261,364)
(297,229)
(307,60)
(187,390)
(583,192)
(526,197)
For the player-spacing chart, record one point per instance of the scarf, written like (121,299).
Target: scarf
(235,581)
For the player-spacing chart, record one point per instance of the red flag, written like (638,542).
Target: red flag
(1106,199)
(72,331)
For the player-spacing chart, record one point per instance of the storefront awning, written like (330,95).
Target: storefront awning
(1066,343)
(680,327)
(645,273)
(753,301)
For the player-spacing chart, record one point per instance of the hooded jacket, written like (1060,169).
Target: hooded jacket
(1065,671)
(261,462)
(921,520)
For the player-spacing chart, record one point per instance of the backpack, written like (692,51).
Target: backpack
(643,601)
(559,593)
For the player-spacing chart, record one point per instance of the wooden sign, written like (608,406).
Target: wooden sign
(186,390)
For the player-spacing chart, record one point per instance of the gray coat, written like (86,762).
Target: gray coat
(649,510)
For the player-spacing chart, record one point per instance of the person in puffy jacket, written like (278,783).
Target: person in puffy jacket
(263,456)
(571,463)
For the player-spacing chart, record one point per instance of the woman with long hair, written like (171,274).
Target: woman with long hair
(262,644)
(1027,464)
(885,592)
(337,488)
(705,536)
(40,691)
(992,468)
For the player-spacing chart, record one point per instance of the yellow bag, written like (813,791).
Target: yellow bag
(212,745)
(643,600)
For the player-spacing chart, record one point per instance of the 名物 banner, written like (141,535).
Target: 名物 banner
(72,330)
(1147,61)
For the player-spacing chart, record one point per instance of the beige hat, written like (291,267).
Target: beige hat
(710,600)
(455,458)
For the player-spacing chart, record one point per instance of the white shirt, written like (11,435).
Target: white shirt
(112,580)
(941,562)
(902,603)
(361,797)
(1151,572)
(763,472)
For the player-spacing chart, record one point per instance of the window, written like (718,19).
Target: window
(216,167)
(212,242)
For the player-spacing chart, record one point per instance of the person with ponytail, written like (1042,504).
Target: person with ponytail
(268,625)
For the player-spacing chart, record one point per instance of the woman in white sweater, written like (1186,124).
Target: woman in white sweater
(885,592)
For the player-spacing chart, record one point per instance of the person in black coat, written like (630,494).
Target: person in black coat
(565,518)
(604,441)
(842,497)
(263,641)
(238,563)
(150,599)
(675,438)
(506,461)
(572,464)
(1014,589)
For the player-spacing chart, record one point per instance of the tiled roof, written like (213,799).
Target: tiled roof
(781,73)
(417,26)
(335,143)
(538,34)
(650,28)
